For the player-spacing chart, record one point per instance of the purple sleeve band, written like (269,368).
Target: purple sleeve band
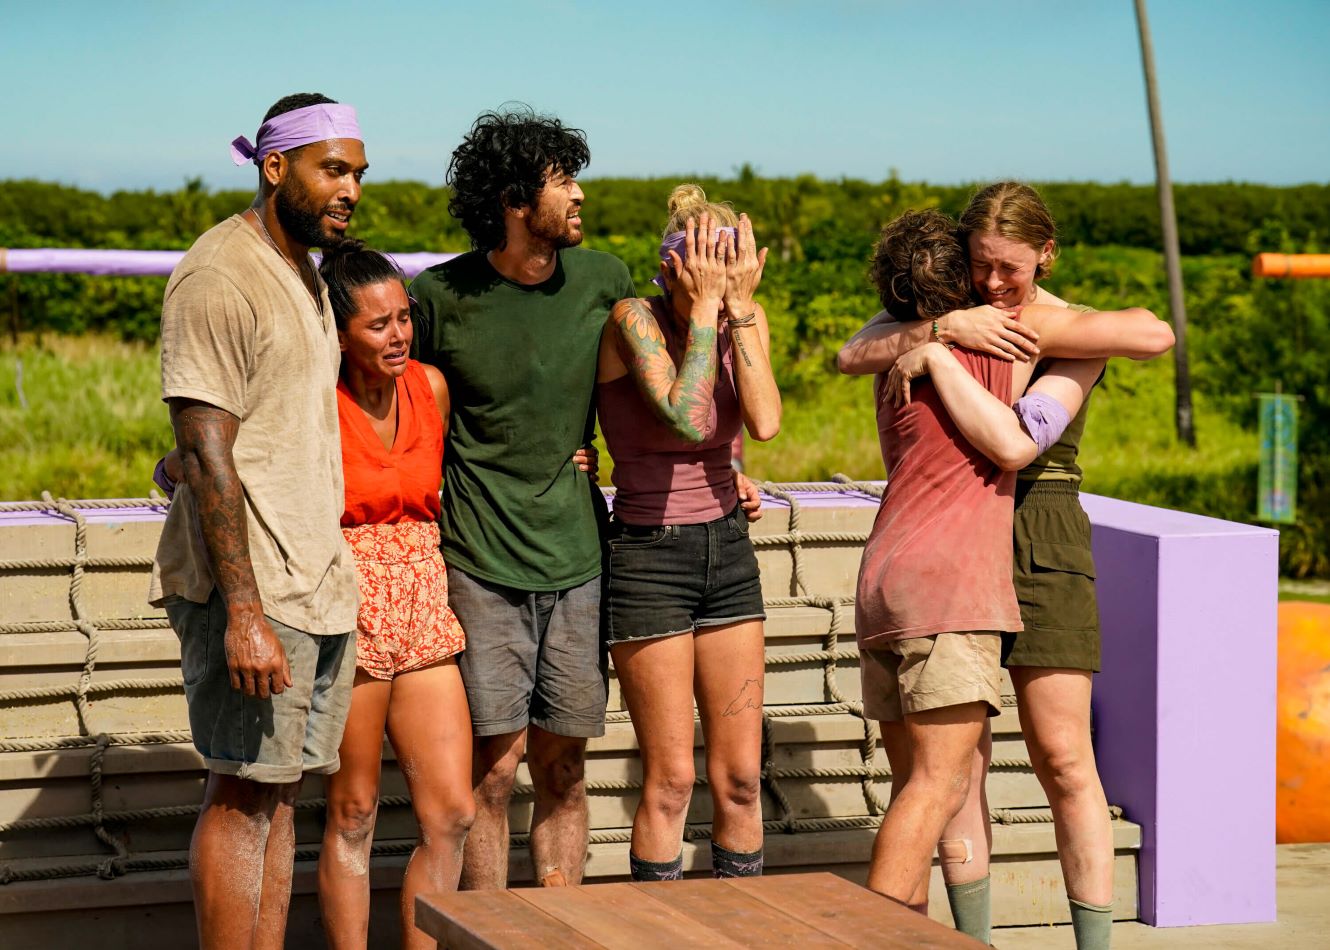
(1043,417)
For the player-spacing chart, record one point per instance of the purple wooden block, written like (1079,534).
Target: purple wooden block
(1185,706)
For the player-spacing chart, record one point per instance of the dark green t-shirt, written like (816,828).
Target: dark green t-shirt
(520,362)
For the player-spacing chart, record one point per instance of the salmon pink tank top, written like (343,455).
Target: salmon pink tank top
(938,559)
(659,478)
(389,486)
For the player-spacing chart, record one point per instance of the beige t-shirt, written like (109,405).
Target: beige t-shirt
(241,332)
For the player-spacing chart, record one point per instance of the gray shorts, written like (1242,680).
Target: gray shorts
(531,657)
(272,740)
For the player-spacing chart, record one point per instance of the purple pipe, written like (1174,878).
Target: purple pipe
(55,260)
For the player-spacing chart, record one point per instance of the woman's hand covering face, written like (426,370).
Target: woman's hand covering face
(743,271)
(699,277)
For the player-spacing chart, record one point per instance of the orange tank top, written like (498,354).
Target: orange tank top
(389,486)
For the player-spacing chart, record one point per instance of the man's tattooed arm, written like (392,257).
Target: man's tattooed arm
(205,436)
(682,398)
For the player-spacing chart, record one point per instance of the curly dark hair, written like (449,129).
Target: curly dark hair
(502,163)
(348,266)
(920,268)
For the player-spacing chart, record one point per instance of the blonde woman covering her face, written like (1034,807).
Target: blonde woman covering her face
(679,374)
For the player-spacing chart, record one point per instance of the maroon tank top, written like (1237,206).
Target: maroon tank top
(660,478)
(938,559)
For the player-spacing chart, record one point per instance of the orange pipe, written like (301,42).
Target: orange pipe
(1291,265)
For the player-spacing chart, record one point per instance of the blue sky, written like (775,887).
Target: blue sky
(125,95)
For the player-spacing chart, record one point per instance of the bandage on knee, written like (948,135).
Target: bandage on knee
(955,851)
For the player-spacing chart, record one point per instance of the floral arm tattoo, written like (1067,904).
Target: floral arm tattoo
(205,436)
(682,397)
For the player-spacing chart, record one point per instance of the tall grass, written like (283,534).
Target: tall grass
(94,424)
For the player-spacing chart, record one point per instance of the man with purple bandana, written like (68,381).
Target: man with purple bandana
(251,567)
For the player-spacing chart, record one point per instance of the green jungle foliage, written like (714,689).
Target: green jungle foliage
(1244,334)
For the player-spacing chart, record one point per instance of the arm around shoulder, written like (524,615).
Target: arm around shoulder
(879,343)
(1134,332)
(983,419)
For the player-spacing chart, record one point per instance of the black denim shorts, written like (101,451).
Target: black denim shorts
(669,579)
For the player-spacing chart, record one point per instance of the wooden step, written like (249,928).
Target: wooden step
(44,785)
(1027,887)
(817,756)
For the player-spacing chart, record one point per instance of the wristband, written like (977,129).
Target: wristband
(736,323)
(162,480)
(937,335)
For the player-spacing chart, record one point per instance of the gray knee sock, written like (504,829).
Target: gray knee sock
(727,863)
(1091,924)
(655,870)
(972,909)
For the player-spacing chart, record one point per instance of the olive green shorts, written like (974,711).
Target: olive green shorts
(1054,575)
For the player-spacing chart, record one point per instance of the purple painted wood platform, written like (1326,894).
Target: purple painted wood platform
(1185,705)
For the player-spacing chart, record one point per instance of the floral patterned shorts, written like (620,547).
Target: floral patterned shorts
(405,622)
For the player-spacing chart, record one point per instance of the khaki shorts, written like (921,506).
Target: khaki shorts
(917,674)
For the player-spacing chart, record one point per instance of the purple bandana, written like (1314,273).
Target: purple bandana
(296,128)
(678,242)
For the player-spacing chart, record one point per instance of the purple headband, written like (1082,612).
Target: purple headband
(298,127)
(677,242)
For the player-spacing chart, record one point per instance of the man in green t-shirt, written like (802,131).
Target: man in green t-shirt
(515,327)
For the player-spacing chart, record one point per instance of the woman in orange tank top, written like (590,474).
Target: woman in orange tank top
(393,413)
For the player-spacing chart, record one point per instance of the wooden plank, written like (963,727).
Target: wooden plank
(734,914)
(1019,876)
(493,920)
(69,647)
(851,914)
(791,733)
(616,916)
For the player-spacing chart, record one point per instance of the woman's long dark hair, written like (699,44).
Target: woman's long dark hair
(349,265)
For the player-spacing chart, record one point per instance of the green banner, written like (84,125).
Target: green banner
(1277,485)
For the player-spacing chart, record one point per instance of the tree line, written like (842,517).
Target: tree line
(412,216)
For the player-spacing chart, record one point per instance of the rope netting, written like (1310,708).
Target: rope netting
(109,825)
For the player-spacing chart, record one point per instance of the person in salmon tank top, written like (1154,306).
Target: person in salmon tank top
(393,414)
(935,604)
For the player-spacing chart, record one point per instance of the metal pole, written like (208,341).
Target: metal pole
(1169,223)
